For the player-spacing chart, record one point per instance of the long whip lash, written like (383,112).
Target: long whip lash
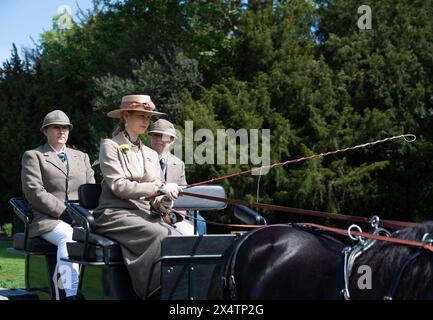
(407,137)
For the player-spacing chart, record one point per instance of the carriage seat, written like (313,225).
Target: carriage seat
(22,243)
(89,246)
(32,245)
(97,248)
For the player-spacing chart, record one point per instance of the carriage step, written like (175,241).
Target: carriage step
(17,294)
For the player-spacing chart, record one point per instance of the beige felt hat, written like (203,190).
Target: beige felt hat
(137,102)
(163,126)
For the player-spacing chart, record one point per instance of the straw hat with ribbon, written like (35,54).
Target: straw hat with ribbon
(141,103)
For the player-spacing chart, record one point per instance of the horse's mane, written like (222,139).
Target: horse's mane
(385,259)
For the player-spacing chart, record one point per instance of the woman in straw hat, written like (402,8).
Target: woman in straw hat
(131,172)
(50,175)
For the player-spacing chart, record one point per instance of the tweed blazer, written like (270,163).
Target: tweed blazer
(47,184)
(125,183)
(175,170)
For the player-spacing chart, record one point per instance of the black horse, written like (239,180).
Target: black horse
(296,262)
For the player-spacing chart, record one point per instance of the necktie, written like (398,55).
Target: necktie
(163,164)
(62,157)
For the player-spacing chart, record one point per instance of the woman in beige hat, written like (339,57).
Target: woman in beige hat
(131,172)
(50,175)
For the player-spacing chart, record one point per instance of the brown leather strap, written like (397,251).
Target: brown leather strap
(353,219)
(372,236)
(338,231)
(223,224)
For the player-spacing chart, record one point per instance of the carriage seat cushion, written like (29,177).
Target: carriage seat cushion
(79,235)
(36,244)
(99,249)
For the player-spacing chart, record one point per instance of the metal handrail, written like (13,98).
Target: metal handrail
(24,213)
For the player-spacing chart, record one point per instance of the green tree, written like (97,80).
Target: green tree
(164,82)
(389,68)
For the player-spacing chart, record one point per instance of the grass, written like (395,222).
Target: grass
(11,268)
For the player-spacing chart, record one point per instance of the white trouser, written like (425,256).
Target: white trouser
(59,236)
(185,227)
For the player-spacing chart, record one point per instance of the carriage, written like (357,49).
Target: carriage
(186,262)
(288,261)
(291,261)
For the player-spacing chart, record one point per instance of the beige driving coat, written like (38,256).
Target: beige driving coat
(47,183)
(123,216)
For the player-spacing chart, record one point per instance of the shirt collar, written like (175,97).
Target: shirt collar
(165,157)
(57,152)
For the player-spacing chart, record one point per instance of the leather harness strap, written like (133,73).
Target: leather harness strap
(348,257)
(372,236)
(228,278)
(354,219)
(329,215)
(397,278)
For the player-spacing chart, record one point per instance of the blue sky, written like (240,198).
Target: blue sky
(21,20)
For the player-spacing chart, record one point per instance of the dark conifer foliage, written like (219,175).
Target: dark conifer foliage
(302,69)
